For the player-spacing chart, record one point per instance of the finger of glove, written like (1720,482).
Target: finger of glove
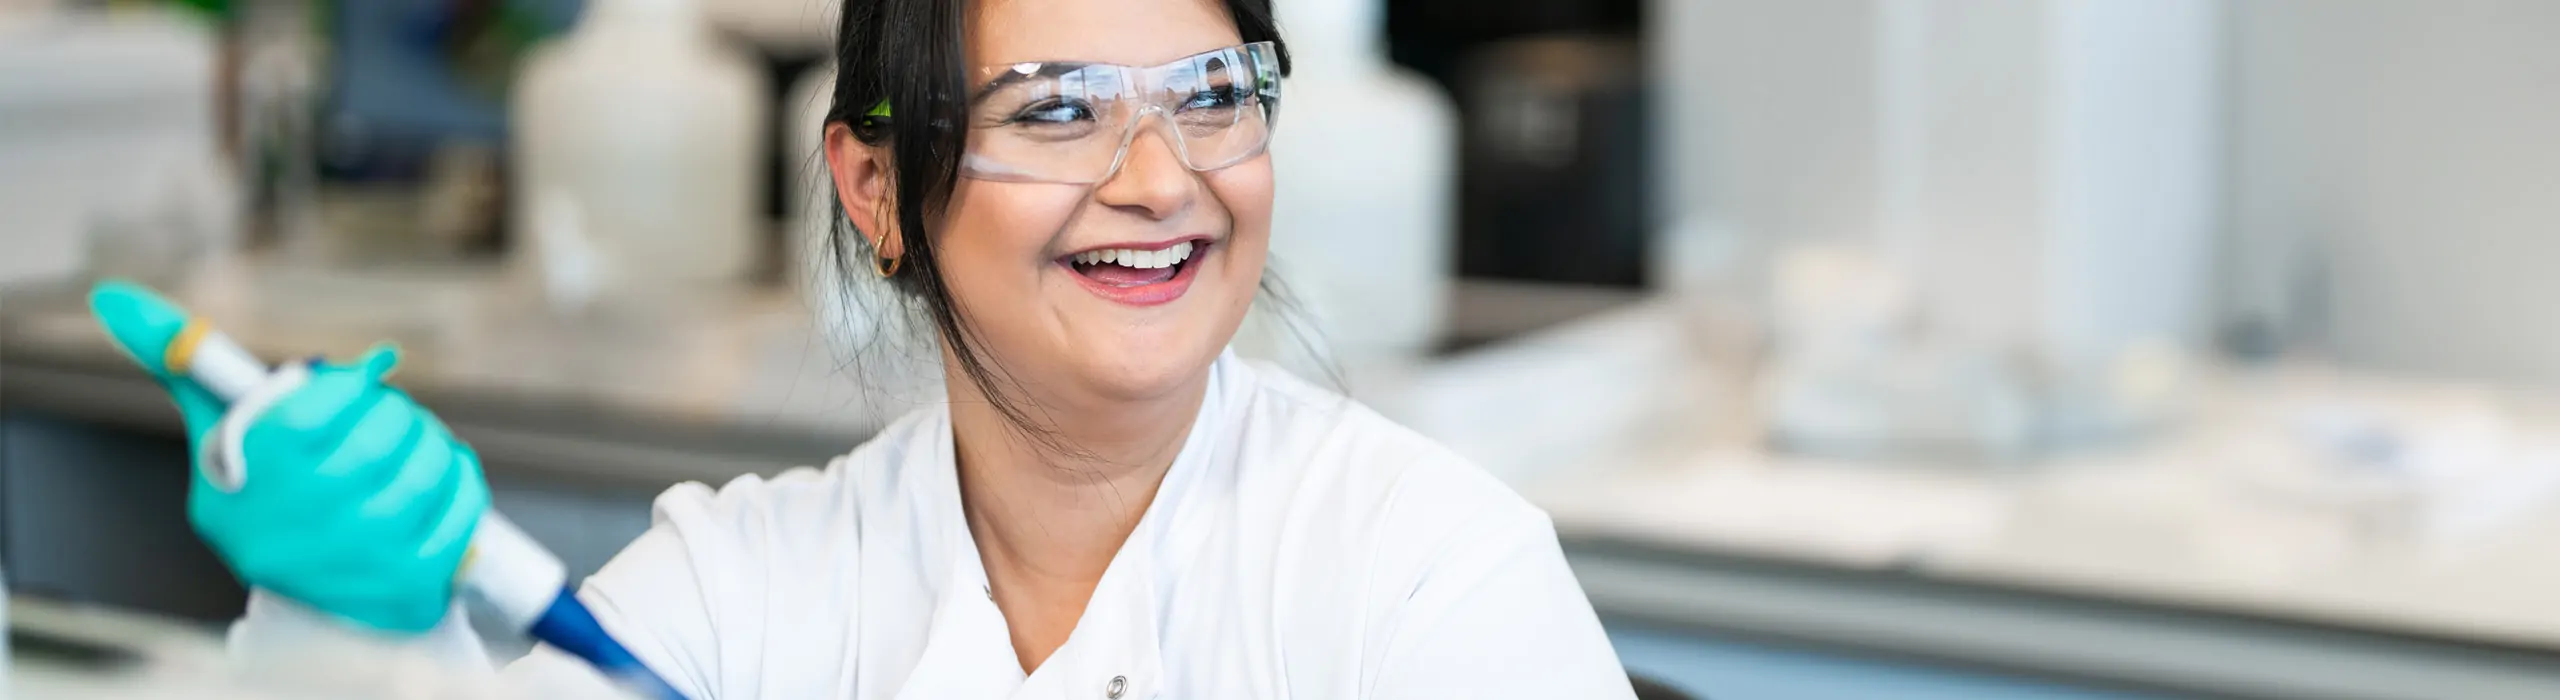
(389,576)
(400,606)
(333,450)
(295,452)
(407,509)
(197,406)
(351,532)
(378,361)
(396,572)
(321,411)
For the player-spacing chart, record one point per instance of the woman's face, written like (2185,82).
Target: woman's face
(1085,335)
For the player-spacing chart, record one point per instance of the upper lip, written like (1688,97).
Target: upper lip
(1156,245)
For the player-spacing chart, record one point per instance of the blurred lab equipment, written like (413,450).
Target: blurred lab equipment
(1553,177)
(16,9)
(2043,176)
(2412,463)
(405,129)
(638,146)
(809,192)
(517,577)
(1853,377)
(274,108)
(789,26)
(1364,153)
(108,152)
(1556,157)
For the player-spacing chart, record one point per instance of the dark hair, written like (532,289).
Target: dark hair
(909,55)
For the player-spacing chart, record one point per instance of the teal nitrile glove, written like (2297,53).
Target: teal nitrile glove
(357,502)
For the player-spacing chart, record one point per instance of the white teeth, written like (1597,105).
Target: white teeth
(1141,259)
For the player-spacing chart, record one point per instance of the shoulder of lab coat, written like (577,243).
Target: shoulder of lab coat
(1466,592)
(695,596)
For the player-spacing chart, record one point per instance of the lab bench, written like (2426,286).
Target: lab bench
(578,425)
(2125,570)
(1597,419)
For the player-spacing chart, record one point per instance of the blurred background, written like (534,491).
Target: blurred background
(1859,348)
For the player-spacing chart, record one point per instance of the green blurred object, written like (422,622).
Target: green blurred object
(216,8)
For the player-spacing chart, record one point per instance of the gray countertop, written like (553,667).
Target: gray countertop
(723,384)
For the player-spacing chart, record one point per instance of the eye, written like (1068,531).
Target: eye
(1053,111)
(1220,97)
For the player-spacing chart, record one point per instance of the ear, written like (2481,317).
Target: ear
(863,183)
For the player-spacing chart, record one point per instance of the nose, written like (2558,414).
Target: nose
(1151,181)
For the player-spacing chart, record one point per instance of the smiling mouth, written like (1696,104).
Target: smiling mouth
(1139,277)
(1129,267)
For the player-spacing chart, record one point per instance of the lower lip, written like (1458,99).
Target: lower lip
(1146,294)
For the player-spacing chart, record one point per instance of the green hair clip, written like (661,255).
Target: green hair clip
(878,112)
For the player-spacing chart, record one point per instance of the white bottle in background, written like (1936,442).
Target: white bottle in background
(1363,228)
(649,132)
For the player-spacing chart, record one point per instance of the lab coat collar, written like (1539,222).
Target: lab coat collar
(968,651)
(1115,652)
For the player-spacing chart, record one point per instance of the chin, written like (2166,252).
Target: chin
(1141,368)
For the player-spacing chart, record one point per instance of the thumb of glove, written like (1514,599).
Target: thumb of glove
(379,361)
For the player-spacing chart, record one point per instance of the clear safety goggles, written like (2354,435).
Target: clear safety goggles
(1072,122)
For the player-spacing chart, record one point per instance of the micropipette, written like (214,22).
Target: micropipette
(505,568)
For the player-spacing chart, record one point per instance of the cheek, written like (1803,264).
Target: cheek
(993,233)
(1245,190)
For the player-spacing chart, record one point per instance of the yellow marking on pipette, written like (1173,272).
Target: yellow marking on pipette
(182,349)
(469,555)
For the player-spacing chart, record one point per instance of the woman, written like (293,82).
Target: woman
(1075,193)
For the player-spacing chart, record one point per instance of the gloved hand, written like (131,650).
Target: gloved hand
(357,501)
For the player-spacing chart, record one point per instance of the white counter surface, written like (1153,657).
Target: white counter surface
(2163,524)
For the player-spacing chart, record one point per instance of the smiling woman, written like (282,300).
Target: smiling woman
(1077,194)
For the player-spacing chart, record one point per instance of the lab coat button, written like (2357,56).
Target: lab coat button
(1119,684)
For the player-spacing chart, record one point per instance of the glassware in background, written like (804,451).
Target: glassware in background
(2044,178)
(275,103)
(1362,227)
(638,141)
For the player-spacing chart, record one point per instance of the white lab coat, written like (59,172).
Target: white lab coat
(1301,546)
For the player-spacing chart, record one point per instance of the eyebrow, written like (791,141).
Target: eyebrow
(1014,74)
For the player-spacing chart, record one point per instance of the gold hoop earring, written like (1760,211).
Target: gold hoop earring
(885,268)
